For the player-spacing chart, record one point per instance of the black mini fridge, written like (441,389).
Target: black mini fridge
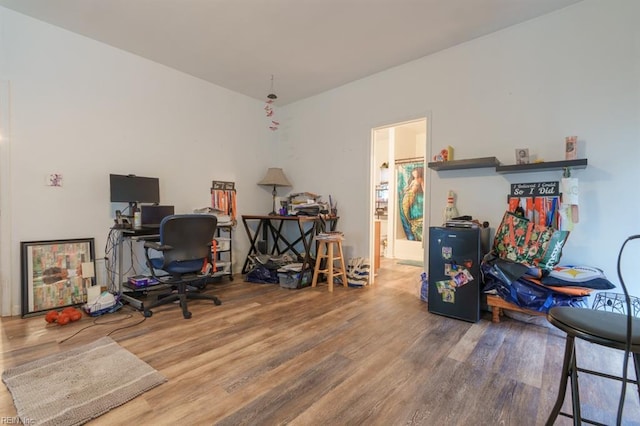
(454,272)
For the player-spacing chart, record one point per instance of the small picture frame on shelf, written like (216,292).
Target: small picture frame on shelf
(571,147)
(522,156)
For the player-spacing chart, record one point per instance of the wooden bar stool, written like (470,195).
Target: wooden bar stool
(327,243)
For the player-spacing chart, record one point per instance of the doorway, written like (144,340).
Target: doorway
(399,188)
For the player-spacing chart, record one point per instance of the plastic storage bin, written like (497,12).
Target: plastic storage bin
(223,243)
(290,279)
(224,267)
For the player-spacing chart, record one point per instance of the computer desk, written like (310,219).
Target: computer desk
(270,227)
(132,234)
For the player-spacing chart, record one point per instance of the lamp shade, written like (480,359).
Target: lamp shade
(275,177)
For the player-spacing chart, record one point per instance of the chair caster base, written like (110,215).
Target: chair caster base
(217,302)
(186,315)
(147,314)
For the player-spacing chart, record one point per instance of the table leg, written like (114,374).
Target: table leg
(252,242)
(330,266)
(137,304)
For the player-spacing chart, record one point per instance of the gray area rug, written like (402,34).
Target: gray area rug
(73,387)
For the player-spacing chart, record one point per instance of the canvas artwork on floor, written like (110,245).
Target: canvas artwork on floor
(56,273)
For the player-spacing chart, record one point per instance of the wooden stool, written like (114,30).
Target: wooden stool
(327,243)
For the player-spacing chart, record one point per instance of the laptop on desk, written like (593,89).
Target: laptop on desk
(151,216)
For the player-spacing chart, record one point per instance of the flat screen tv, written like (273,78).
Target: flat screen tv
(134,189)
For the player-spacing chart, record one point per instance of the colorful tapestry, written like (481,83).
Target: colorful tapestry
(410,184)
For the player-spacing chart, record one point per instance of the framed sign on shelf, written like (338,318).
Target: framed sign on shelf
(56,273)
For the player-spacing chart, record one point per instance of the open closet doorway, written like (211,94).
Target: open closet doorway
(399,187)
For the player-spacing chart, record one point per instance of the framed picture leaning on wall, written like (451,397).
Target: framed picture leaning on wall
(522,156)
(56,273)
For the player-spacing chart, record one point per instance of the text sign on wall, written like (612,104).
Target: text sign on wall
(535,189)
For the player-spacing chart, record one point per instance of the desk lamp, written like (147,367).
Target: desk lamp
(275,177)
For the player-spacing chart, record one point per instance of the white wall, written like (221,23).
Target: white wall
(85,109)
(572,72)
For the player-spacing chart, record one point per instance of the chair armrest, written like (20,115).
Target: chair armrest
(154,245)
(157,246)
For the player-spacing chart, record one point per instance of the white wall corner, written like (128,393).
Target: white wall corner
(10,301)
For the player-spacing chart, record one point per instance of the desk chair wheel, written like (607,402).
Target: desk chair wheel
(217,301)
(147,313)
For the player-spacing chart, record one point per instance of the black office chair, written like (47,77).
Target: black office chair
(185,244)
(611,329)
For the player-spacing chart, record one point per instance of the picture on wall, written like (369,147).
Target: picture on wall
(410,187)
(56,274)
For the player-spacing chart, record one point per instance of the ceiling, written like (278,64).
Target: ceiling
(308,46)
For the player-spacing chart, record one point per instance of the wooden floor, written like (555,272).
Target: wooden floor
(371,356)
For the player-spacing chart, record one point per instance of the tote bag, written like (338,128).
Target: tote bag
(521,240)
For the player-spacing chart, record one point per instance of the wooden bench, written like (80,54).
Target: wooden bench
(498,304)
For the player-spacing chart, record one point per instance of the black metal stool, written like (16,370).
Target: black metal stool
(611,329)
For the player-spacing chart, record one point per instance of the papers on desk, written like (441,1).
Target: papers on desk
(223,219)
(311,209)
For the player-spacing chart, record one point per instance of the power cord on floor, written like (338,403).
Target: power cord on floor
(96,321)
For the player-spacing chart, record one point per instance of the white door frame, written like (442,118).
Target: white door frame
(391,209)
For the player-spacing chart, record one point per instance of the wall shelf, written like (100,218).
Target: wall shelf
(548,165)
(476,163)
(471,163)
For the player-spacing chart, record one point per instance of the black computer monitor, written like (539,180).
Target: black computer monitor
(134,189)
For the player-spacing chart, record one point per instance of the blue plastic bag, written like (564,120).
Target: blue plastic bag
(508,280)
(424,287)
(262,275)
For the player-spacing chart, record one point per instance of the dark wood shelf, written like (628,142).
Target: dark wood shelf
(548,165)
(476,163)
(471,163)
